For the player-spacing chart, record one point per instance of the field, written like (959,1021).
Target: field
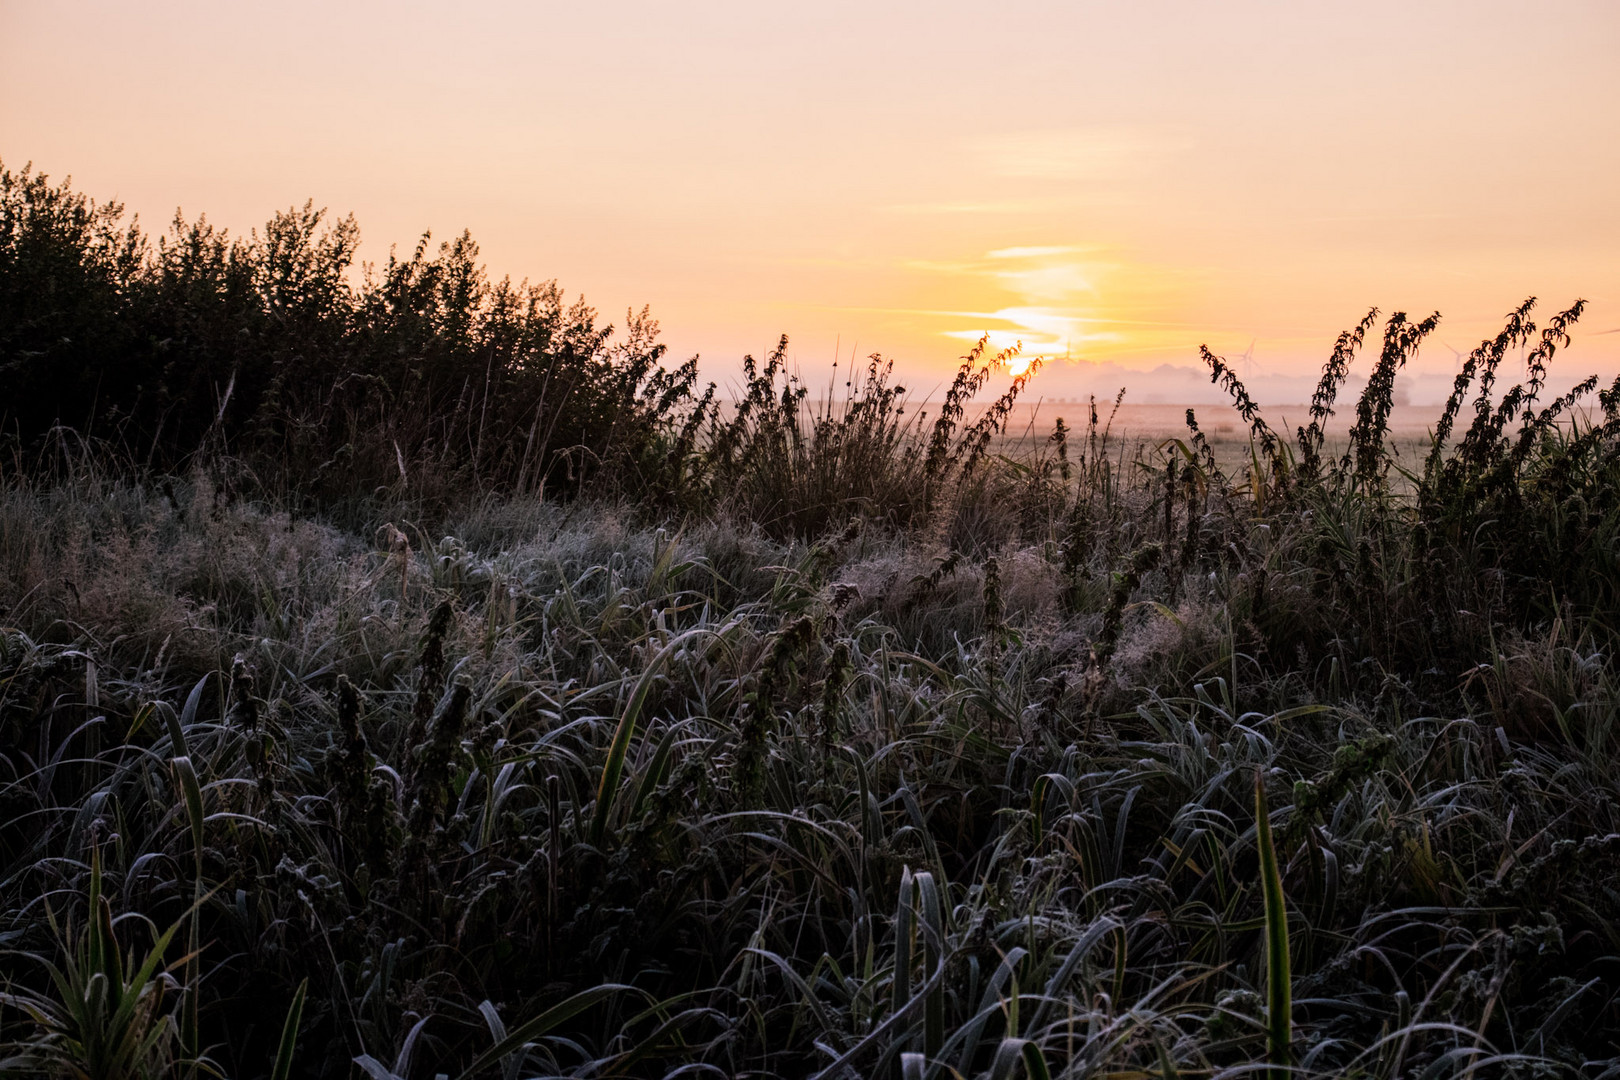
(1133,426)
(393,727)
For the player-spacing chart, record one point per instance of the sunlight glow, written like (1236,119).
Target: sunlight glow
(1205,178)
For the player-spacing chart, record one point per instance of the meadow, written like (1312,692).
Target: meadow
(414,677)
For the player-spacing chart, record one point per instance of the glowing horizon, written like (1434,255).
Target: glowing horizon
(1111,185)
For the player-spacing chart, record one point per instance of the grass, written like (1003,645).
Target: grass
(861,750)
(1279,972)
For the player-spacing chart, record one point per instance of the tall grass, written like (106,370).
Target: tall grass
(798,469)
(863,747)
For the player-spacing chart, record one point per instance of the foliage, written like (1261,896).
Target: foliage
(858,745)
(322,381)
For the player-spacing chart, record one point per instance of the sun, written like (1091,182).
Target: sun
(1018,365)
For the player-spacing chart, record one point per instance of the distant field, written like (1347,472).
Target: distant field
(1140,425)
(1134,425)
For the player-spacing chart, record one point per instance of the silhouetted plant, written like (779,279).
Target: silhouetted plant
(1334,371)
(424,377)
(1401,341)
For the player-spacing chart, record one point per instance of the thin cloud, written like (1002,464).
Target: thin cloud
(1040,329)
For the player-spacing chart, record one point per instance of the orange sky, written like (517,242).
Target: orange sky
(1118,181)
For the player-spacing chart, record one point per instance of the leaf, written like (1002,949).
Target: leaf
(1012,1053)
(654,775)
(374,1068)
(933,928)
(989,1003)
(185,778)
(289,1034)
(529,1031)
(613,767)
(1035,1062)
(905,920)
(1279,982)
(188,712)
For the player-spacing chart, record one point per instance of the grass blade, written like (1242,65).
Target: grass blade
(1035,1062)
(905,932)
(1014,1052)
(932,925)
(1279,979)
(289,1035)
(529,1031)
(185,778)
(613,767)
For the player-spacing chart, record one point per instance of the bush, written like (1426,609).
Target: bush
(423,377)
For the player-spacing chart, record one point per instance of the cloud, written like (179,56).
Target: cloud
(1057,286)
(1045,273)
(1074,301)
(1041,330)
(1053,283)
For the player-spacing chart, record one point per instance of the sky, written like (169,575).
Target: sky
(1111,184)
